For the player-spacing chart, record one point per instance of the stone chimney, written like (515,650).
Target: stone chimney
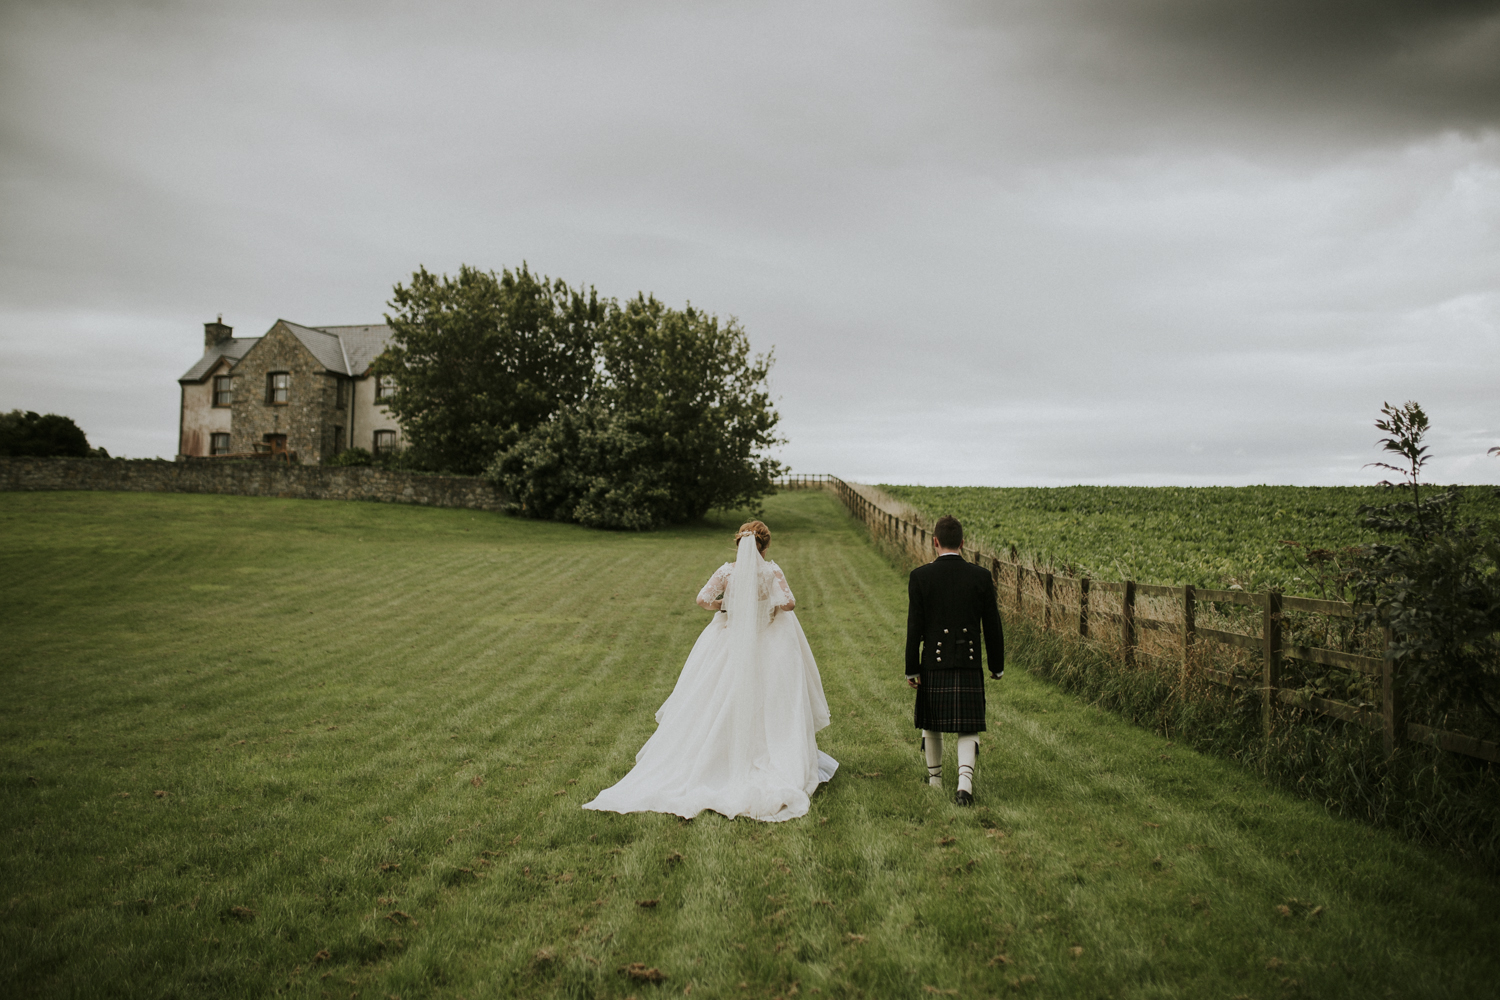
(216,333)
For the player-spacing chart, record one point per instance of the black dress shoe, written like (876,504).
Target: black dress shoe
(963,798)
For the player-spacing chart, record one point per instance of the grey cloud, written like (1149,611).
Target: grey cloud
(1394,65)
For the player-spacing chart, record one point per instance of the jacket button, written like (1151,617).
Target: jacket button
(966,630)
(945,631)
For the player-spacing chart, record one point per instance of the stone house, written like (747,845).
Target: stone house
(305,389)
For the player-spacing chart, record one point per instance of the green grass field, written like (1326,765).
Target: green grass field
(1206,536)
(255,746)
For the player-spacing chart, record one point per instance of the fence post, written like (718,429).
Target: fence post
(1189,625)
(1392,709)
(1020,606)
(1271,633)
(1083,607)
(1127,622)
(1047,605)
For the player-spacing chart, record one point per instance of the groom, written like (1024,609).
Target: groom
(950,603)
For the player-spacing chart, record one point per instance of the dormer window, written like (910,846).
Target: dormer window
(223,390)
(278,388)
(385,387)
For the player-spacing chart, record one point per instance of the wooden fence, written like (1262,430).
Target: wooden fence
(1111,613)
(805,482)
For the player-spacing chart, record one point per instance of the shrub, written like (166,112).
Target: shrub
(352,456)
(1434,582)
(586,465)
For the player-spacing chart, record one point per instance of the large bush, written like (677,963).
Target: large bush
(585,465)
(674,424)
(27,434)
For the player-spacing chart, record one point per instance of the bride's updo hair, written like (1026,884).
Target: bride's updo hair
(759,530)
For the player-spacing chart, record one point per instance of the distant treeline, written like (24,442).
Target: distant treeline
(27,434)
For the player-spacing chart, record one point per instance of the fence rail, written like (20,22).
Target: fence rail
(1081,614)
(803,482)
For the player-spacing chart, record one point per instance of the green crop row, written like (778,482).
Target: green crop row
(1214,536)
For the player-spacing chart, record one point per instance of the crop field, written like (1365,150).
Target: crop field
(1205,536)
(254,747)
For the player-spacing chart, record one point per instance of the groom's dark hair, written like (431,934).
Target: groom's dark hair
(950,534)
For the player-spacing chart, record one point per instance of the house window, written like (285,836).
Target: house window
(218,444)
(385,387)
(339,392)
(278,388)
(385,442)
(223,394)
(338,440)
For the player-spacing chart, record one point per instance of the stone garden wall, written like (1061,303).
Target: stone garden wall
(249,479)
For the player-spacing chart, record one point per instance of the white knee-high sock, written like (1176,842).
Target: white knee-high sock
(932,745)
(968,751)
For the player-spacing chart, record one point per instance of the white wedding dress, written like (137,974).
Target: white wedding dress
(737,733)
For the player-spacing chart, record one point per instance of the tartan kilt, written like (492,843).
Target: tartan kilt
(951,701)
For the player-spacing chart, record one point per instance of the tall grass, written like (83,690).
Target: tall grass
(1428,794)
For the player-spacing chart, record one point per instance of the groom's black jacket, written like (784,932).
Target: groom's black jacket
(950,602)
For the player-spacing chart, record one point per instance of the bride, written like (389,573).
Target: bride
(737,733)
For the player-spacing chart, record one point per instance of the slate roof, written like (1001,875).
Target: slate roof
(362,344)
(347,350)
(234,348)
(326,347)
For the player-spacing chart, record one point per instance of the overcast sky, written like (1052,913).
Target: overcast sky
(1027,243)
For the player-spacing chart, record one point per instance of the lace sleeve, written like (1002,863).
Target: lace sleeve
(714,587)
(788,602)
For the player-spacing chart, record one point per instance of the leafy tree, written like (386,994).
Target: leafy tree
(1434,581)
(675,425)
(25,433)
(479,359)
